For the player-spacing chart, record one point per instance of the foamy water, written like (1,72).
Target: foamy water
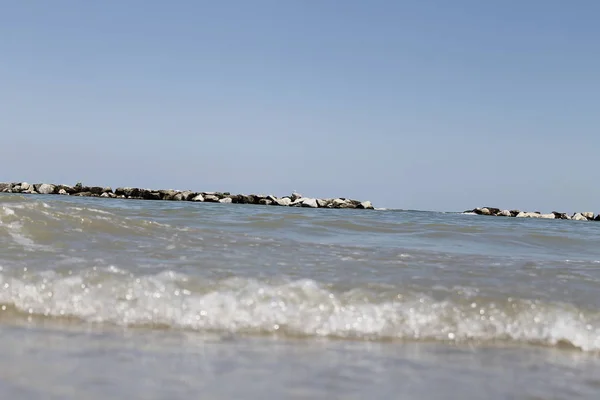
(376,285)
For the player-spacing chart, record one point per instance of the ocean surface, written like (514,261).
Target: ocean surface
(137,299)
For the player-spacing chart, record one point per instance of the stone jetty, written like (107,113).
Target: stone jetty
(497,212)
(293,200)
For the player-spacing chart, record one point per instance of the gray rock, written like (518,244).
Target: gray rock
(177,197)
(558,215)
(338,203)
(211,198)
(45,189)
(265,202)
(365,205)
(226,200)
(323,203)
(167,194)
(187,195)
(578,217)
(284,201)
(198,197)
(25,186)
(96,190)
(310,203)
(295,196)
(528,215)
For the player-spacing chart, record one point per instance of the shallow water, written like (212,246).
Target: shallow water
(146,299)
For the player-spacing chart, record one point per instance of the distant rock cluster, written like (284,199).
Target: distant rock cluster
(294,200)
(497,212)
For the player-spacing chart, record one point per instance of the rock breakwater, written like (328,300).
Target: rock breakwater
(293,200)
(497,212)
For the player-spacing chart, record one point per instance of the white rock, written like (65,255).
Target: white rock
(198,198)
(308,202)
(323,202)
(225,200)
(366,205)
(548,216)
(338,202)
(284,201)
(528,215)
(46,189)
(63,192)
(485,211)
(105,194)
(25,186)
(504,213)
(296,196)
(588,215)
(578,217)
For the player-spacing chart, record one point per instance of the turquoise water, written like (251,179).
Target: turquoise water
(152,299)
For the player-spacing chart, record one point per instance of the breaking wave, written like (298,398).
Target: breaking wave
(302,308)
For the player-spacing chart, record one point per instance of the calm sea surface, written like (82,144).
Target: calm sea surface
(176,300)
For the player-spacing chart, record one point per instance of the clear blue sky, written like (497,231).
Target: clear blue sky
(417,104)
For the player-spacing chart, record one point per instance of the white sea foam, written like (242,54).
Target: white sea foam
(297,308)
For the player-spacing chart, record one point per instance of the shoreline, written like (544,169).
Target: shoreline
(497,212)
(293,200)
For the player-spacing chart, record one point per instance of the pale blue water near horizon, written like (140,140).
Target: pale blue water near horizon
(154,299)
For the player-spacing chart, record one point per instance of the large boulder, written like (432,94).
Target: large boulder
(127,192)
(167,194)
(365,205)
(529,215)
(310,203)
(548,216)
(324,203)
(559,215)
(211,198)
(187,195)
(45,189)
(295,196)
(198,198)
(588,214)
(578,217)
(149,195)
(225,200)
(96,190)
(284,201)
(504,213)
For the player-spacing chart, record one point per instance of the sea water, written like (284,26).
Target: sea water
(161,300)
